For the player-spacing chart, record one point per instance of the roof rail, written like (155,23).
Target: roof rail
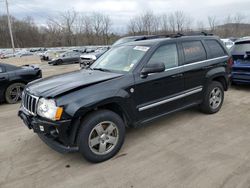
(177,35)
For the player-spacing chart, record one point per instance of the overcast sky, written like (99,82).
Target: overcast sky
(122,10)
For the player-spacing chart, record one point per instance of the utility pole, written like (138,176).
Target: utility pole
(9,24)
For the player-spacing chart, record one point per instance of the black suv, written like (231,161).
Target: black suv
(131,84)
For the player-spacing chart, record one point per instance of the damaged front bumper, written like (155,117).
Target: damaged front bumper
(53,133)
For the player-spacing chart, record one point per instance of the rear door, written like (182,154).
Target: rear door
(68,57)
(157,94)
(194,60)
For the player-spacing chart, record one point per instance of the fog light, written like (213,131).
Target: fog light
(41,128)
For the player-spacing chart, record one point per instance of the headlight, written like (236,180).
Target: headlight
(47,108)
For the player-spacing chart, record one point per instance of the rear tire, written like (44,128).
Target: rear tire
(13,93)
(59,62)
(213,98)
(101,136)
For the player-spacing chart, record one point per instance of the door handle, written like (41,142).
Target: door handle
(177,75)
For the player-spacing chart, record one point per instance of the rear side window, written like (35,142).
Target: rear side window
(193,51)
(166,54)
(215,48)
(1,69)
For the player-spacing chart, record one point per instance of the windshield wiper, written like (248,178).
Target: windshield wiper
(101,69)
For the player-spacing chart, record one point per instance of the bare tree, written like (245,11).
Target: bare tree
(132,27)
(200,25)
(172,22)
(180,20)
(212,21)
(164,24)
(106,28)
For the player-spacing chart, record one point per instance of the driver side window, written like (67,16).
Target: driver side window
(166,54)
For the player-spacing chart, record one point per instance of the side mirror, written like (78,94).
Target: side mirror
(152,68)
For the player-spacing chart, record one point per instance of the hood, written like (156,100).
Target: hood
(60,84)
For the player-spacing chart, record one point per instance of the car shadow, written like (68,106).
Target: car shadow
(243,87)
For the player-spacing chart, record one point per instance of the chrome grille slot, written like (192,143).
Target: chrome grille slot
(29,103)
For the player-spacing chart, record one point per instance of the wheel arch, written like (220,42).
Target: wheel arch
(218,74)
(81,114)
(222,80)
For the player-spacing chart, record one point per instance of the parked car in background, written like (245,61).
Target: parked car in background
(241,61)
(50,54)
(228,43)
(23,53)
(7,54)
(89,58)
(13,80)
(68,57)
(44,55)
(38,50)
(130,85)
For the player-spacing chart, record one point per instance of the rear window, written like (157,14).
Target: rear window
(241,48)
(193,51)
(215,48)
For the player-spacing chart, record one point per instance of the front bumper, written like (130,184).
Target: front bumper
(54,134)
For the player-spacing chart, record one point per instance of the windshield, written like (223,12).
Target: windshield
(122,58)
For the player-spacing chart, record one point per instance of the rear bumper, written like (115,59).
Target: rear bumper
(241,77)
(54,134)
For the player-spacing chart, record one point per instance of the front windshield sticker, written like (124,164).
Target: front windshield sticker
(141,48)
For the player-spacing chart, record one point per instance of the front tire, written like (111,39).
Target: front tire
(101,136)
(213,98)
(14,93)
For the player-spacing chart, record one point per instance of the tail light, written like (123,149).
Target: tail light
(230,62)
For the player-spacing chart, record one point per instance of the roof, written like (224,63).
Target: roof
(151,42)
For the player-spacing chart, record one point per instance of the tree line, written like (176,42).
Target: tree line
(71,28)
(179,22)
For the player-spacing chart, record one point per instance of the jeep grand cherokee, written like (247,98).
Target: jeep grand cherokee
(133,83)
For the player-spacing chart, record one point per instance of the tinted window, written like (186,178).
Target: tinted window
(166,54)
(215,48)
(193,51)
(75,54)
(240,48)
(1,69)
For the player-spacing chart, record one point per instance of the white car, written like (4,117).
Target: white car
(228,43)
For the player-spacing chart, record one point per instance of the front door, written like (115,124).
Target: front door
(159,93)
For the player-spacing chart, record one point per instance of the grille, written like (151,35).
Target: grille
(29,103)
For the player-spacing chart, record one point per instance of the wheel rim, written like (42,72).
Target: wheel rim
(15,93)
(103,138)
(215,98)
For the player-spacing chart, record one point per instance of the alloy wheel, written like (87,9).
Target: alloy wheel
(103,138)
(215,98)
